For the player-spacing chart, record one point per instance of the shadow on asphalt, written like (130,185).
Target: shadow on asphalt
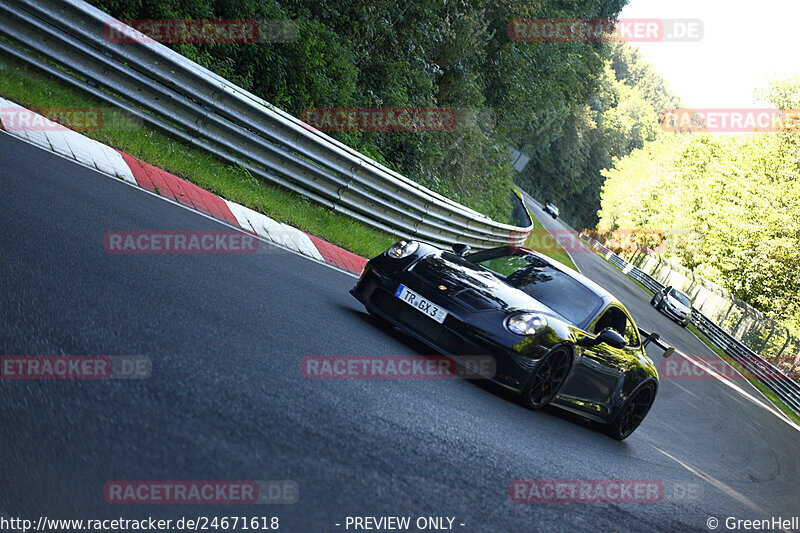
(499,391)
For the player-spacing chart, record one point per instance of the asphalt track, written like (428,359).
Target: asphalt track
(227,401)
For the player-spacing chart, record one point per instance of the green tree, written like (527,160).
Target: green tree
(729,205)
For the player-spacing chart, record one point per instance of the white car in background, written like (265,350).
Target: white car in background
(674,303)
(552,210)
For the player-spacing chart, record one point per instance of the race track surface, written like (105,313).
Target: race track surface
(227,400)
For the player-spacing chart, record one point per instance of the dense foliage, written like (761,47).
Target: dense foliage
(560,103)
(729,206)
(621,116)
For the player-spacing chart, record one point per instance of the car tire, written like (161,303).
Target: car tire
(632,412)
(547,379)
(684,323)
(653,301)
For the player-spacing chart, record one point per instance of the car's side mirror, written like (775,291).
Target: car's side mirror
(608,336)
(461,249)
(612,338)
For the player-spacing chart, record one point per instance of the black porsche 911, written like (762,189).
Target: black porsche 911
(557,337)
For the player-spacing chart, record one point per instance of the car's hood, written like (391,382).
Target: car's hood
(677,305)
(473,286)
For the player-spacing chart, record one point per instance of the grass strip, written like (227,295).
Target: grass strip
(788,411)
(29,88)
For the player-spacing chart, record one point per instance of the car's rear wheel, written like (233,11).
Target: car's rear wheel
(547,379)
(632,412)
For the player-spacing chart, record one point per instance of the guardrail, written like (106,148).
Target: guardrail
(787,389)
(65,39)
(762,334)
(642,277)
(530,198)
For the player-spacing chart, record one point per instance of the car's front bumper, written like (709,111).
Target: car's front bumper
(461,333)
(675,314)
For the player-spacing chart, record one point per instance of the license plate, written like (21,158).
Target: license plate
(421,304)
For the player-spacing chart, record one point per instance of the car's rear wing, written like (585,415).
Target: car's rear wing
(647,338)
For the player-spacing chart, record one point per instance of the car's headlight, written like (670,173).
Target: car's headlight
(526,323)
(402,249)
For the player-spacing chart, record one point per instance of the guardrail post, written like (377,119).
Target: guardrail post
(764,344)
(785,344)
(722,320)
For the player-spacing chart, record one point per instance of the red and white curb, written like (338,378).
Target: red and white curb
(72,145)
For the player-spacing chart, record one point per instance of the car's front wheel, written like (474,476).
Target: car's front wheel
(632,412)
(547,379)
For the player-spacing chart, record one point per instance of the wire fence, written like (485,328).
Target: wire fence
(766,350)
(758,332)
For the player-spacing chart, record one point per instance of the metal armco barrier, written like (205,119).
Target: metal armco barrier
(760,333)
(787,389)
(157,85)
(642,277)
(784,387)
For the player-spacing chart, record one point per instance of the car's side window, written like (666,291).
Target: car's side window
(612,318)
(632,335)
(616,319)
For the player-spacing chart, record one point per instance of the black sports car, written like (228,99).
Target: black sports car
(557,337)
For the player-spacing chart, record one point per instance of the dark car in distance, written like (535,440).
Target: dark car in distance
(557,338)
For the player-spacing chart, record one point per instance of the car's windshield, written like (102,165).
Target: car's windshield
(560,292)
(678,295)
